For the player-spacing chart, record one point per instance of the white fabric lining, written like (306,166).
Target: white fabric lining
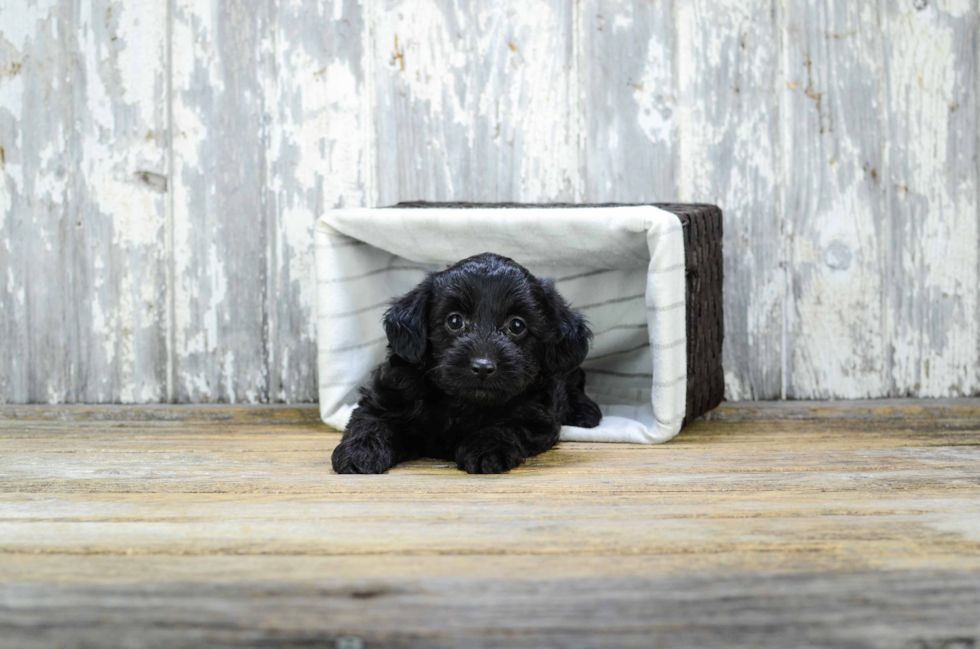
(597,256)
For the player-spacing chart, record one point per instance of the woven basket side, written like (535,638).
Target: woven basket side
(705,305)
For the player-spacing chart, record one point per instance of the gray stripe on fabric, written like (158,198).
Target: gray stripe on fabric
(344,314)
(670,383)
(622,326)
(624,351)
(615,300)
(676,343)
(339,280)
(591,273)
(347,348)
(341,243)
(669,422)
(666,307)
(626,375)
(667,269)
(668,231)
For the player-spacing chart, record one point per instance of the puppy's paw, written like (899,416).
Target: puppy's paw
(585,414)
(492,459)
(362,456)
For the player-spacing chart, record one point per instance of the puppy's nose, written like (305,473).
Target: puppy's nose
(482,367)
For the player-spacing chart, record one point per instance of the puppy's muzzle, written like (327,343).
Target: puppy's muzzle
(482,368)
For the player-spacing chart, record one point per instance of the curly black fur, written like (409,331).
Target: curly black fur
(482,369)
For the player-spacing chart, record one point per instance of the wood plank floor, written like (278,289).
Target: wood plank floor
(782,525)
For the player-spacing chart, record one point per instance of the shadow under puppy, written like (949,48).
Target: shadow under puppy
(483,369)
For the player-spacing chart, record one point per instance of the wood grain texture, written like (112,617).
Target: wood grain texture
(817,524)
(221,213)
(832,136)
(727,64)
(317,157)
(37,167)
(269,132)
(474,101)
(83,159)
(931,49)
(120,262)
(628,100)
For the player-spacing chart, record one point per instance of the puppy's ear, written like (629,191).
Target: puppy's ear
(571,337)
(405,323)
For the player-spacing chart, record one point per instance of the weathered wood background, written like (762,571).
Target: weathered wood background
(162,163)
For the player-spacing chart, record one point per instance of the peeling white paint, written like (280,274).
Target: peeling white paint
(21,18)
(487,97)
(733,387)
(726,67)
(6,202)
(354,103)
(218,281)
(12,93)
(933,176)
(228,372)
(545,113)
(144,23)
(653,93)
(54,395)
(955,8)
(52,184)
(104,331)
(196,384)
(622,23)
(833,199)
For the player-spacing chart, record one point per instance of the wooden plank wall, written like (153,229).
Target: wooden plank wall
(162,164)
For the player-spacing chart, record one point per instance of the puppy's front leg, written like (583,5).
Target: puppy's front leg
(500,448)
(368,446)
(490,450)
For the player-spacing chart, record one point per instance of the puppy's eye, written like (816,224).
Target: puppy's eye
(516,327)
(454,322)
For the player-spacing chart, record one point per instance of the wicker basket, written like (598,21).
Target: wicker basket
(638,274)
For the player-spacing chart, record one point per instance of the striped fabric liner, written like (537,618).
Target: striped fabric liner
(622,267)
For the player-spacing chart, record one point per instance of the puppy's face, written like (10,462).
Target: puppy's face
(485,332)
(485,329)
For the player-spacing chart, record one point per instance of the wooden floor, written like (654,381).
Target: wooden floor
(785,525)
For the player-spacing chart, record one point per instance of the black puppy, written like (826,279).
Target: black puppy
(482,369)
